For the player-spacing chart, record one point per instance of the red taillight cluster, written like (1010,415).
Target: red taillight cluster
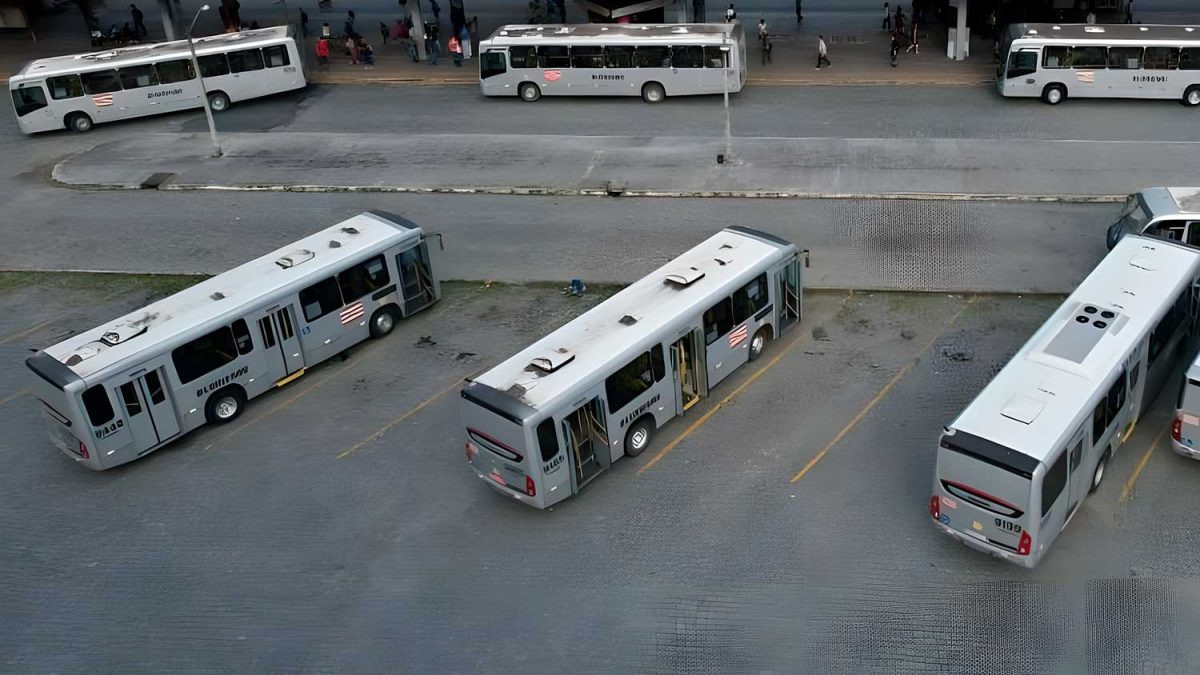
(530,488)
(1177,430)
(83,450)
(935,506)
(1025,545)
(471,450)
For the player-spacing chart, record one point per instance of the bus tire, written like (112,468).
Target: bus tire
(653,92)
(1098,473)
(1054,94)
(79,122)
(218,101)
(637,439)
(1191,97)
(529,92)
(759,342)
(383,321)
(225,405)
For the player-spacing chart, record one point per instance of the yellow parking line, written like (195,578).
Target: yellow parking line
(375,436)
(28,331)
(13,397)
(1127,491)
(882,393)
(728,398)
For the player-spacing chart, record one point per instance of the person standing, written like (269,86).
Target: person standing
(730,14)
(383,32)
(139,26)
(799,11)
(766,49)
(323,54)
(913,46)
(899,19)
(822,53)
(887,18)
(1129,11)
(762,33)
(895,49)
(352,47)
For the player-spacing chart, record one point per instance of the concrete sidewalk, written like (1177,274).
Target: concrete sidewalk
(636,166)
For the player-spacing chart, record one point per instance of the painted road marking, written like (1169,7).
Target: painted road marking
(13,397)
(882,393)
(1127,491)
(732,395)
(375,436)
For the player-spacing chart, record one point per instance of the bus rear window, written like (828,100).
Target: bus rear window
(494,446)
(982,499)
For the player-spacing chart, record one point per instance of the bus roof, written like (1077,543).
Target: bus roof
(604,337)
(153,51)
(1042,393)
(227,296)
(1106,33)
(598,33)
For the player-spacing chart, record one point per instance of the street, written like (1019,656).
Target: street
(779,526)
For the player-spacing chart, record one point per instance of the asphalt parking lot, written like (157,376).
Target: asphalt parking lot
(780,526)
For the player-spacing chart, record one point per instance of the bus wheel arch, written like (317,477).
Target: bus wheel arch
(1054,93)
(637,439)
(529,92)
(653,92)
(759,342)
(383,320)
(1099,471)
(1191,97)
(225,405)
(218,101)
(78,122)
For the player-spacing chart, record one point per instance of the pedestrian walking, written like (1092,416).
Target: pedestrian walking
(822,53)
(887,18)
(303,22)
(899,19)
(766,49)
(1129,11)
(799,11)
(895,49)
(913,46)
(433,48)
(383,32)
(323,54)
(762,32)
(352,48)
(730,14)
(455,49)
(139,25)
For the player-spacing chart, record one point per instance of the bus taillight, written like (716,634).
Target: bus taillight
(530,488)
(935,506)
(1026,543)
(1177,430)
(83,450)
(471,451)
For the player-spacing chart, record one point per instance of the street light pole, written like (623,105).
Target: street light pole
(212,128)
(728,124)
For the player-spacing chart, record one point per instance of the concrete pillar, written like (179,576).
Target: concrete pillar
(168,11)
(418,30)
(958,42)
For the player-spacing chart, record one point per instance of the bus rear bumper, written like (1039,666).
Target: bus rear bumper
(984,547)
(506,490)
(1180,448)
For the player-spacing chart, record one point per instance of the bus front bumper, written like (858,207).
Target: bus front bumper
(985,547)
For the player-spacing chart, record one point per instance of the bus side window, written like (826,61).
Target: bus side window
(276,56)
(657,363)
(718,320)
(1089,57)
(29,99)
(245,60)
(98,405)
(618,57)
(547,439)
(521,57)
(241,336)
(750,298)
(1056,57)
(1022,63)
(1189,58)
(321,298)
(492,64)
(652,57)
(554,57)
(1053,482)
(213,65)
(64,86)
(587,57)
(632,379)
(687,57)
(134,77)
(129,395)
(170,72)
(101,82)
(204,354)
(1161,58)
(1127,58)
(363,278)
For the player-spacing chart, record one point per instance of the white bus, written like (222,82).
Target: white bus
(1167,212)
(1015,465)
(119,391)
(1081,60)
(651,61)
(1185,430)
(544,423)
(81,90)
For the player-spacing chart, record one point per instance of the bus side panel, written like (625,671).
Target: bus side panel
(657,401)
(192,397)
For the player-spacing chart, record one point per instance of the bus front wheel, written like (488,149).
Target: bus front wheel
(1191,97)
(218,101)
(1054,94)
(759,342)
(653,92)
(529,92)
(638,437)
(1098,474)
(225,405)
(79,122)
(383,321)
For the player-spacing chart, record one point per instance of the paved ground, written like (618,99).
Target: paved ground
(254,548)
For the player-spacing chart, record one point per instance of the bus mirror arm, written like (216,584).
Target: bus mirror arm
(805,254)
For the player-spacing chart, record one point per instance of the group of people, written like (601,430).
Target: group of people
(894,24)
(401,32)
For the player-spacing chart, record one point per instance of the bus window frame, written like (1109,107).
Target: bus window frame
(29,107)
(78,83)
(1010,73)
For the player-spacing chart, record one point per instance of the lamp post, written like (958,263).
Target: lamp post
(728,125)
(212,128)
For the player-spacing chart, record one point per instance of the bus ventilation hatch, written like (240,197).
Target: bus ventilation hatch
(685,277)
(551,362)
(295,258)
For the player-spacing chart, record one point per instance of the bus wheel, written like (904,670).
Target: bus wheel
(653,92)
(1191,97)
(218,101)
(225,405)
(1098,474)
(638,437)
(1054,94)
(759,342)
(529,92)
(79,122)
(382,322)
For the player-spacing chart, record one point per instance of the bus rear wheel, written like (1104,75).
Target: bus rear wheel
(759,342)
(529,92)
(653,92)
(225,406)
(382,322)
(637,438)
(1191,97)
(218,101)
(1098,474)
(1054,94)
(79,122)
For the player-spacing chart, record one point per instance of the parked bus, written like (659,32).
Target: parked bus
(81,90)
(541,425)
(1185,430)
(1170,213)
(1014,466)
(1119,61)
(651,61)
(119,391)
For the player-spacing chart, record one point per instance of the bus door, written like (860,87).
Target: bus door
(687,366)
(149,409)
(585,431)
(1078,478)
(1136,367)
(1020,72)
(280,343)
(418,288)
(789,294)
